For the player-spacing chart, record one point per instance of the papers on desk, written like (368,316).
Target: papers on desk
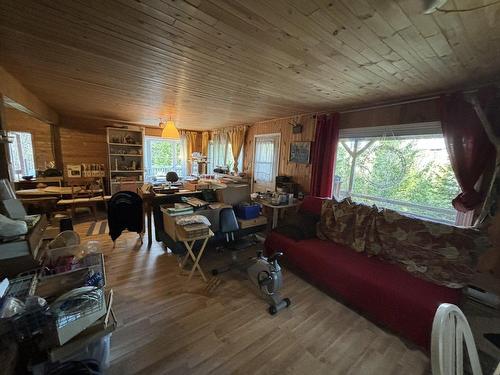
(193,231)
(192,219)
(180,209)
(192,226)
(217,205)
(194,202)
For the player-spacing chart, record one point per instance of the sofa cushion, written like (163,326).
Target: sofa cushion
(384,291)
(347,223)
(443,254)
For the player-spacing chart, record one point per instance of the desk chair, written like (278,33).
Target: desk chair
(228,225)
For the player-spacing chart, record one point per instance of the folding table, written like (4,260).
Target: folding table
(189,243)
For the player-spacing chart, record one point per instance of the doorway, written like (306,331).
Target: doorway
(266,161)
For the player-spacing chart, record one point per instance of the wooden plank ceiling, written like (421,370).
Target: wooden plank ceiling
(213,63)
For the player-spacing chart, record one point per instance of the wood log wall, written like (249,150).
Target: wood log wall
(82,141)
(301,173)
(40,134)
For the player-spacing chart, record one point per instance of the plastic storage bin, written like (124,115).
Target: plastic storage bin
(247,211)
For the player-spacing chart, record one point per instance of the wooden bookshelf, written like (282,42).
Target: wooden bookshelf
(125,153)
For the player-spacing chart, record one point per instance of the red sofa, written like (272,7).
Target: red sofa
(385,292)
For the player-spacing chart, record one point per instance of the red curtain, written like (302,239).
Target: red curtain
(468,147)
(324,154)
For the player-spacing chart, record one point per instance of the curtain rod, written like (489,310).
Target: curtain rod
(408,101)
(390,104)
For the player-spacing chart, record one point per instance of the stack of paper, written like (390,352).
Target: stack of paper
(180,209)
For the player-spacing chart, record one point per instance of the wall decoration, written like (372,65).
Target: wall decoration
(74,170)
(296,126)
(300,152)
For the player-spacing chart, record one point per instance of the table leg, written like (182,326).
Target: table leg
(196,259)
(188,254)
(149,217)
(275,217)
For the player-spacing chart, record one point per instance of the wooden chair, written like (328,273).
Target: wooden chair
(450,330)
(87,193)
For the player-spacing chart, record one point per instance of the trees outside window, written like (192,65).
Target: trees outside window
(162,156)
(412,175)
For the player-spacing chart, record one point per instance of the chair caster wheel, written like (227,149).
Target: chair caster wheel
(215,272)
(287,301)
(272,310)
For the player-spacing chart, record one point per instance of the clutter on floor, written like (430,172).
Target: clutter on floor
(59,315)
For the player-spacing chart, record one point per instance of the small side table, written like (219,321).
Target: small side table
(189,243)
(276,209)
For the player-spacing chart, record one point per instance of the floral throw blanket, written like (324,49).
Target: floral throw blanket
(443,254)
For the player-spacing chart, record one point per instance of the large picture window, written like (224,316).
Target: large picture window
(407,173)
(21,154)
(162,156)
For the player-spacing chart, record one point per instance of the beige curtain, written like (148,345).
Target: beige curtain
(205,138)
(188,140)
(236,137)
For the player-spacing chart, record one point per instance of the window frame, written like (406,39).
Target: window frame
(415,130)
(177,162)
(15,136)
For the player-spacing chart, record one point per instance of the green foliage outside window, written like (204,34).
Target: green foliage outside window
(416,171)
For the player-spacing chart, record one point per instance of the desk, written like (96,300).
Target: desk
(276,209)
(51,191)
(31,184)
(189,243)
(147,204)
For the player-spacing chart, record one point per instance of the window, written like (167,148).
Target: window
(407,173)
(21,155)
(162,156)
(220,154)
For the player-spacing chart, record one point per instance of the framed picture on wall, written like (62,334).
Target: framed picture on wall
(74,170)
(300,152)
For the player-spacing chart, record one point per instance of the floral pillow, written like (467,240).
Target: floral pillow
(440,253)
(443,254)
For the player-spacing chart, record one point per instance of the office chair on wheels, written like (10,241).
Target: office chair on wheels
(229,226)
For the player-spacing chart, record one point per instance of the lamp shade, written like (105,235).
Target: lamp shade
(170,131)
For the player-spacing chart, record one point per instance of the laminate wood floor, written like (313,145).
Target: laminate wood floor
(168,327)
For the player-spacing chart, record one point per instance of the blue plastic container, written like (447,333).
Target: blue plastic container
(248,211)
